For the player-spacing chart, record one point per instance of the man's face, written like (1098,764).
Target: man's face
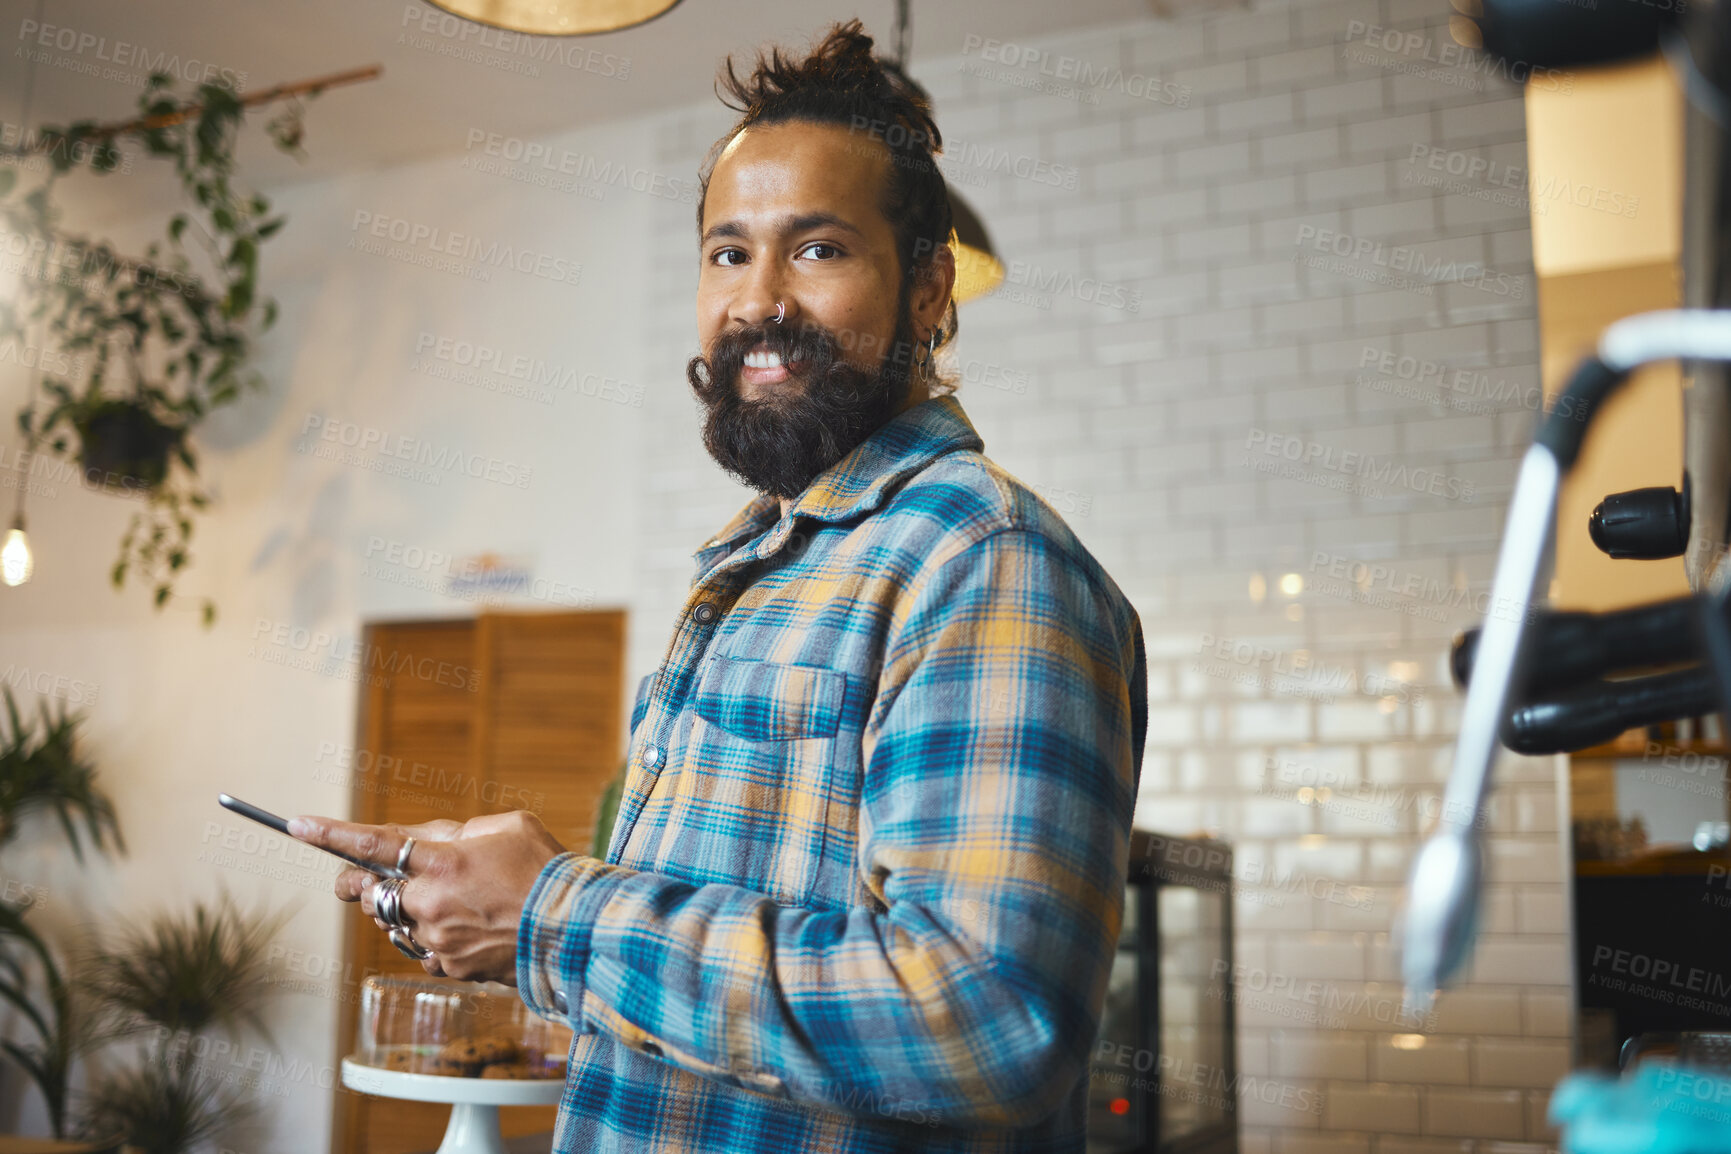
(792,216)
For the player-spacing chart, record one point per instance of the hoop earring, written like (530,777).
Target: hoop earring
(929,368)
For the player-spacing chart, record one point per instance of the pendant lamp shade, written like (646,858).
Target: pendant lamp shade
(978,269)
(557,17)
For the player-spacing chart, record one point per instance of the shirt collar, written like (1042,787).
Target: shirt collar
(857,483)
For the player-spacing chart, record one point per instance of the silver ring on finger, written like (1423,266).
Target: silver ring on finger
(403,856)
(408,946)
(388,903)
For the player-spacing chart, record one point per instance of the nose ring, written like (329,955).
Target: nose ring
(780,312)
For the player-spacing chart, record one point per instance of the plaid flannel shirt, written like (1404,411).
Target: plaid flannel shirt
(866,880)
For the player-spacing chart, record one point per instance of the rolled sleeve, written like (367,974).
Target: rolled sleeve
(557,927)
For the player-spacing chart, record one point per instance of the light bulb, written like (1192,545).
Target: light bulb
(16,563)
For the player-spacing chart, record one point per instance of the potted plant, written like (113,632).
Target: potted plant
(123,445)
(172,980)
(161,340)
(166,981)
(42,771)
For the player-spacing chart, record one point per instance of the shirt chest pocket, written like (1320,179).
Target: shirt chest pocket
(750,799)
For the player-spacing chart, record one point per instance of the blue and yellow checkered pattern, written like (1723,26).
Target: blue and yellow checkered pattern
(866,881)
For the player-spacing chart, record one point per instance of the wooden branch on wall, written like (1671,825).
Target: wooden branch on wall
(267,96)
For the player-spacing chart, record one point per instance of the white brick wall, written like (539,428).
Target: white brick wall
(1148,414)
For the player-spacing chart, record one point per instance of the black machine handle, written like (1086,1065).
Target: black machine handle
(1643,524)
(1595,713)
(1570,647)
(1546,34)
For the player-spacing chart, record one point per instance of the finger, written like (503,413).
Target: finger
(440,829)
(370,904)
(432,966)
(368,843)
(352,883)
(510,821)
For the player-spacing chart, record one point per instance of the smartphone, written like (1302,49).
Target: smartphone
(280,824)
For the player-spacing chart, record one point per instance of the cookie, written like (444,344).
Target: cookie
(454,1060)
(496,1049)
(463,1050)
(512,1070)
(402,1060)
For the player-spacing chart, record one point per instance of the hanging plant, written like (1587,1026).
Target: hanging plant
(167,339)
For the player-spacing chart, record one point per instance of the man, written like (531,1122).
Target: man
(867,875)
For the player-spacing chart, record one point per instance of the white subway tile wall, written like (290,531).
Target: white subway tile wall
(1275,369)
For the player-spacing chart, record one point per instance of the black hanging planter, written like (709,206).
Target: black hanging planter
(122,446)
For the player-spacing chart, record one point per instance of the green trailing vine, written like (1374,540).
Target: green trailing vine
(160,343)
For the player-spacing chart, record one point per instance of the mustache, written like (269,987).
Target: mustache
(818,351)
(815,349)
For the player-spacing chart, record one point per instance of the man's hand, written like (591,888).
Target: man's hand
(466,888)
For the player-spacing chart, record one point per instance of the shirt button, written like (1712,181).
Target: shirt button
(704,613)
(652,756)
(649,1047)
(559,1002)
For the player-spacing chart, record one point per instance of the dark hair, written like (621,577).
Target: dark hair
(841,82)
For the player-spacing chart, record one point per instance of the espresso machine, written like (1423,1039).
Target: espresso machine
(1541,681)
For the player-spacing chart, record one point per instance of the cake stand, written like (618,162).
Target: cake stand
(474,1102)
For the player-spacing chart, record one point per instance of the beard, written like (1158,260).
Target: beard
(780,443)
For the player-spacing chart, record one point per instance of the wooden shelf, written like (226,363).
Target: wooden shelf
(1667,864)
(1634,744)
